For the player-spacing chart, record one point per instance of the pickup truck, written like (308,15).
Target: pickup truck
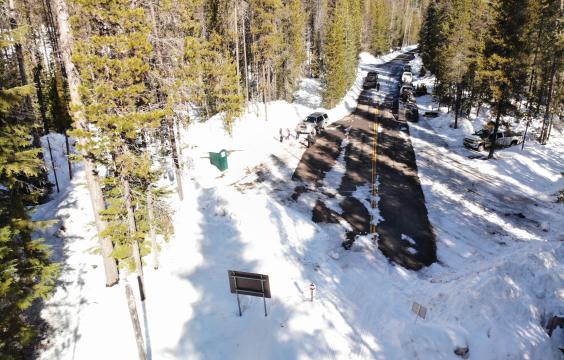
(482,139)
(313,124)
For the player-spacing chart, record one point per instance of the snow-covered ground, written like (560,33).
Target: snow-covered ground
(498,278)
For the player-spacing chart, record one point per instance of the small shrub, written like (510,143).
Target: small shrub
(421,90)
(422,71)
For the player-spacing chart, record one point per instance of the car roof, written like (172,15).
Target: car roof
(316,114)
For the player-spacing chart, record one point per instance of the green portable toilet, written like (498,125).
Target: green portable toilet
(219,159)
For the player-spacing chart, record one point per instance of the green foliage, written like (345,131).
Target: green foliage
(113,55)
(293,53)
(504,61)
(378,22)
(26,272)
(58,105)
(341,49)
(221,82)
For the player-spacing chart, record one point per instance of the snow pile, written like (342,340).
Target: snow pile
(504,268)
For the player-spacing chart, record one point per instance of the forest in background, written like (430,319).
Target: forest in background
(121,78)
(505,53)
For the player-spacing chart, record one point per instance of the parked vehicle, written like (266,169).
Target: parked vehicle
(483,139)
(371,80)
(404,89)
(406,77)
(411,112)
(313,124)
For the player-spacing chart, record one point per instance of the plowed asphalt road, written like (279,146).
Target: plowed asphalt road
(378,154)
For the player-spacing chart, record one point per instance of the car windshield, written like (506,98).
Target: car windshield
(311,119)
(481,133)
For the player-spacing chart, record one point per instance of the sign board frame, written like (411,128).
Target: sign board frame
(419,310)
(252,284)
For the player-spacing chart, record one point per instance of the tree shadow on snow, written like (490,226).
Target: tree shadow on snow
(216,331)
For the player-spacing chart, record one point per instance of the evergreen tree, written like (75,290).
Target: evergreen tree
(221,80)
(294,52)
(504,61)
(112,54)
(266,43)
(336,47)
(378,22)
(341,53)
(26,272)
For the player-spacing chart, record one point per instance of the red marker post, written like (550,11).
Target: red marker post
(311,290)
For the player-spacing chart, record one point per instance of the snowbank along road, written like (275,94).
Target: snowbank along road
(371,150)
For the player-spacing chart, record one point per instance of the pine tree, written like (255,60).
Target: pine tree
(26,272)
(341,53)
(221,81)
(113,55)
(504,62)
(335,46)
(266,43)
(378,21)
(294,52)
(431,36)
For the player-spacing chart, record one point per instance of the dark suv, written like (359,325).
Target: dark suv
(371,80)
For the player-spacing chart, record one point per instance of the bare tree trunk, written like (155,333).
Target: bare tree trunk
(52,163)
(152,235)
(245,62)
(525,133)
(96,196)
(175,158)
(496,128)
(237,49)
(134,319)
(457,96)
(544,130)
(68,154)
(132,227)
(178,137)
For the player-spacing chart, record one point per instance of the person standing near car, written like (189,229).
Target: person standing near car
(310,139)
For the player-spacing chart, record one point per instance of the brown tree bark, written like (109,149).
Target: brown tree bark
(92,181)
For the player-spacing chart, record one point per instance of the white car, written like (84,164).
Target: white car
(313,124)
(406,77)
